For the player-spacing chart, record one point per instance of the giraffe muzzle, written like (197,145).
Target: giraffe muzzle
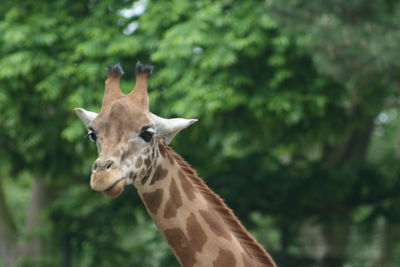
(116,189)
(105,180)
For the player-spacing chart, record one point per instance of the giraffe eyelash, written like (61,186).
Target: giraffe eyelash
(147,135)
(92,136)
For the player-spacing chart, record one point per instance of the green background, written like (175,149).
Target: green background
(298,128)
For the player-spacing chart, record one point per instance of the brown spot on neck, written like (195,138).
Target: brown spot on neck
(187,186)
(197,237)
(162,150)
(165,153)
(216,224)
(179,243)
(159,174)
(174,202)
(153,200)
(225,258)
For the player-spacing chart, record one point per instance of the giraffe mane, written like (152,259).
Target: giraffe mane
(250,245)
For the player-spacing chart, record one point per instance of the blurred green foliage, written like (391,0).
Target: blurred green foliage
(297,117)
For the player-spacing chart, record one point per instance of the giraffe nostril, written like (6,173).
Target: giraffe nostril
(102,165)
(109,164)
(94,167)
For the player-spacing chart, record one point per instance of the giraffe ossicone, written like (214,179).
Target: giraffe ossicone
(133,149)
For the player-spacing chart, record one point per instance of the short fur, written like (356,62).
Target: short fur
(250,245)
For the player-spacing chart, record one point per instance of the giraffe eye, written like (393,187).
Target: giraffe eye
(92,136)
(147,134)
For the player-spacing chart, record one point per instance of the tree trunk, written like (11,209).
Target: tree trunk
(389,232)
(66,250)
(9,251)
(390,236)
(326,243)
(353,146)
(329,240)
(337,235)
(312,242)
(34,246)
(284,244)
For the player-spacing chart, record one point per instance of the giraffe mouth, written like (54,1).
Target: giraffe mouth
(116,188)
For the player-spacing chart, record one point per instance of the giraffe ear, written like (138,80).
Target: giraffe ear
(168,128)
(86,116)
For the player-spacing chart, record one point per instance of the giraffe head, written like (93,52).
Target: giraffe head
(126,133)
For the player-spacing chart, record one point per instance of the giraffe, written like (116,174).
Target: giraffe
(133,149)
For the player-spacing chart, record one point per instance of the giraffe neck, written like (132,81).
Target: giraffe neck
(198,226)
